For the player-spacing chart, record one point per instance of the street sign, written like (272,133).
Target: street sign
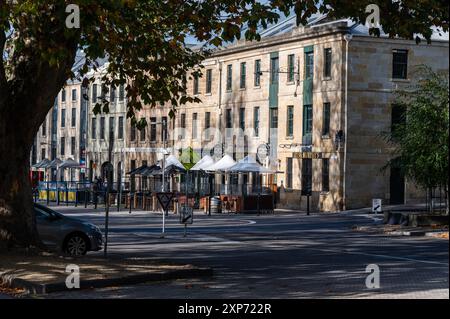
(376,206)
(164,199)
(187,215)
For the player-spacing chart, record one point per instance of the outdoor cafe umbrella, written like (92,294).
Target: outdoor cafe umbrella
(53,164)
(249,165)
(70,163)
(203,163)
(139,170)
(222,165)
(41,164)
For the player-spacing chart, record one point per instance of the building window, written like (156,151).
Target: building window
(93,128)
(120,132)
(43,155)
(74,117)
(104,89)
(182,126)
(325,175)
(326,119)
(306,176)
(256,120)
(274,70)
(258,73)
(142,132)
(242,118)
(289,170)
(399,64)
(229,77)
(132,133)
(309,65)
(112,94)
(63,95)
(111,128)
(229,119)
(243,75)
(102,128)
(44,128)
(307,124)
(164,128)
(121,92)
(274,118)
(208,81)
(196,89)
(398,118)
(94,93)
(74,95)
(63,118)
(72,145)
(327,63)
(194,125)
(207,120)
(63,146)
(290,121)
(153,129)
(291,68)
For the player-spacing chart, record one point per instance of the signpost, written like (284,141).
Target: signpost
(376,206)
(186,217)
(164,198)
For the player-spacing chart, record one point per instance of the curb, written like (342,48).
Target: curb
(416,233)
(11,282)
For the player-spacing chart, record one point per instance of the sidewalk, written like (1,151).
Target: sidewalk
(45,273)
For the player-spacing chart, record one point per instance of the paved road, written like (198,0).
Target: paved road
(274,256)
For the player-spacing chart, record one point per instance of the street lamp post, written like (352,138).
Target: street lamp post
(163,189)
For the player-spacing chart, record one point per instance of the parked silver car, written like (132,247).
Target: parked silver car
(66,234)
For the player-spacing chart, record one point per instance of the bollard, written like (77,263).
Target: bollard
(86,194)
(130,196)
(48,195)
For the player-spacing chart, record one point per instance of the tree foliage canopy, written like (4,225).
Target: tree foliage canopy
(145,41)
(421,139)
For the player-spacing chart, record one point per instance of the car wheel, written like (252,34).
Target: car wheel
(76,245)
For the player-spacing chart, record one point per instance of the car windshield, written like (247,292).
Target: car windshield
(44,212)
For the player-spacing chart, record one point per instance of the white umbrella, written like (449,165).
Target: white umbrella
(172,160)
(249,165)
(205,162)
(222,165)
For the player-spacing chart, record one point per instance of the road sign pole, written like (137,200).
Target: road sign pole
(164,224)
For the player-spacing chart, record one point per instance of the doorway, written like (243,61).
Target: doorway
(397,186)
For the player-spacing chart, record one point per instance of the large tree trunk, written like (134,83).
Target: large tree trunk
(17,225)
(27,93)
